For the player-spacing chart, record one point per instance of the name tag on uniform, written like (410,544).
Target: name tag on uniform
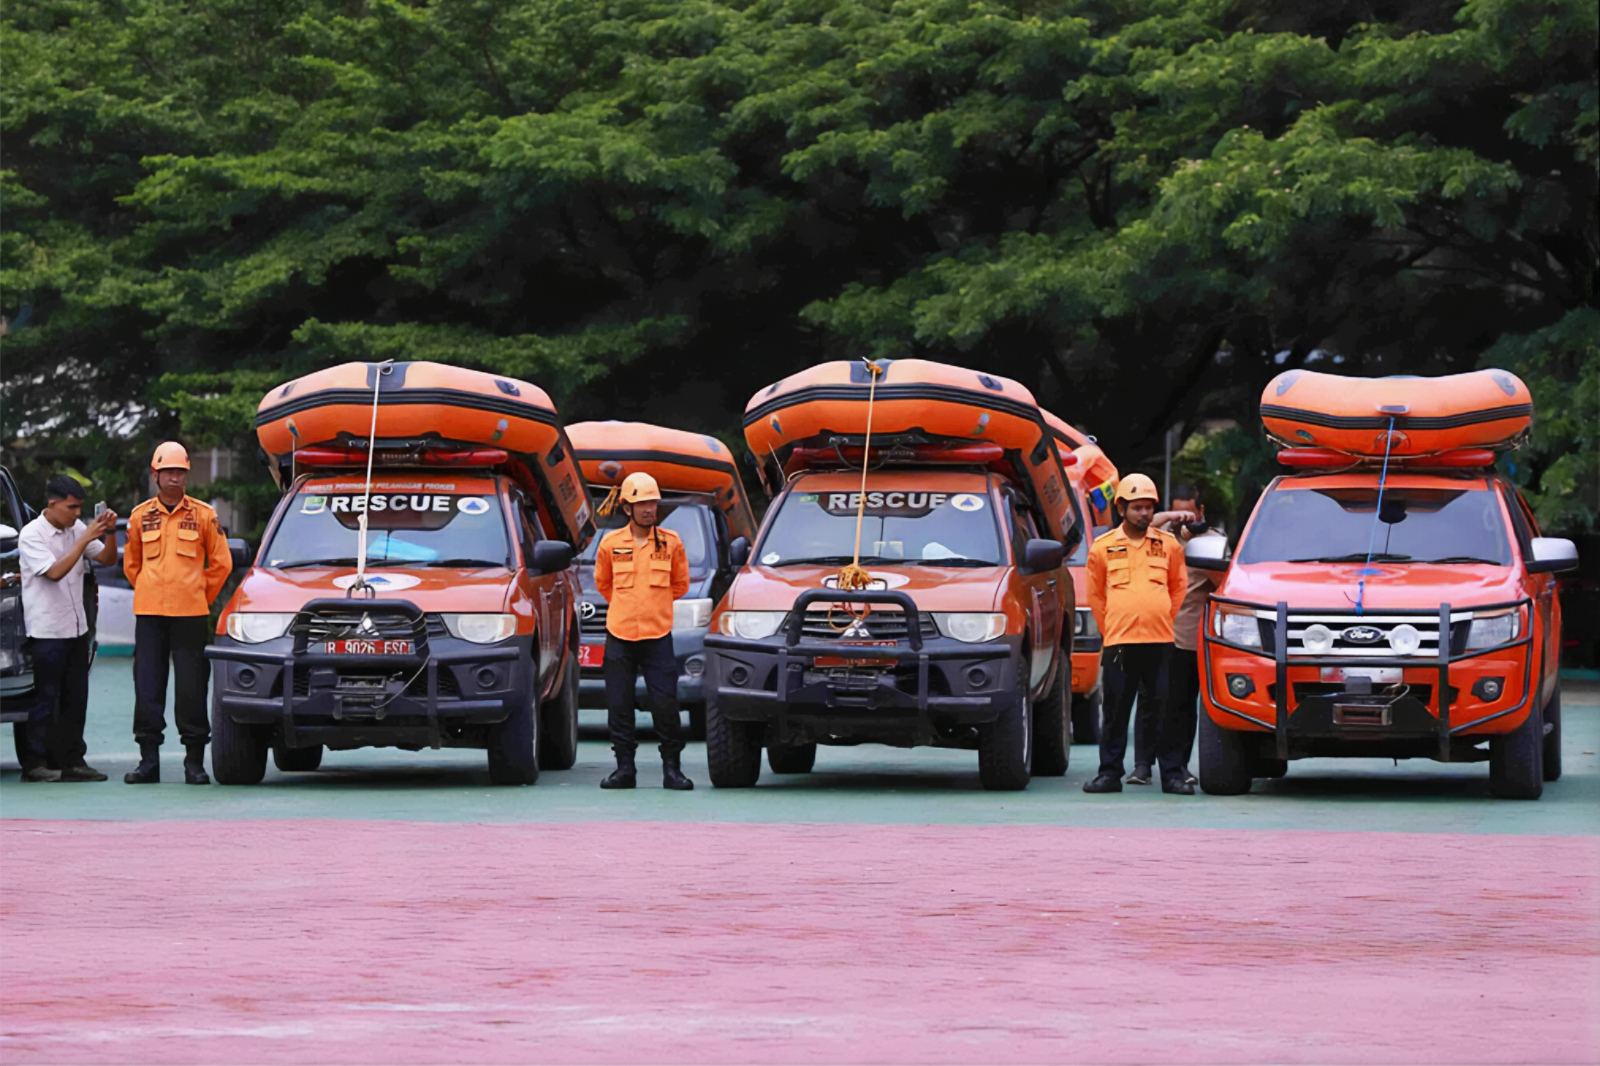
(626,553)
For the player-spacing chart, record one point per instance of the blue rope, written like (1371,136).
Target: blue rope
(1377,516)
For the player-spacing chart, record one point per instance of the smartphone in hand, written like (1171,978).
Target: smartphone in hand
(100,508)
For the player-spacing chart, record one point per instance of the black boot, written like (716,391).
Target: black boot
(194,765)
(672,775)
(624,776)
(148,772)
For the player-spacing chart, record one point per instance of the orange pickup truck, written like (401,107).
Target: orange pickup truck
(1393,596)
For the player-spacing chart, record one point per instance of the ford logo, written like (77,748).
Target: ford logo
(586,610)
(1362,635)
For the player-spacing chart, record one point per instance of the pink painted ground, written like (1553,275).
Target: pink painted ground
(291,941)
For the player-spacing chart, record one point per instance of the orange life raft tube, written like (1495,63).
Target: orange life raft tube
(680,461)
(923,413)
(429,414)
(1091,468)
(1409,417)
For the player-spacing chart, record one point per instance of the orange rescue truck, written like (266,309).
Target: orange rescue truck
(460,630)
(958,640)
(703,501)
(1392,597)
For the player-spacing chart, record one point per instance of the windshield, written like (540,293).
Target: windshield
(901,525)
(1415,525)
(688,521)
(413,524)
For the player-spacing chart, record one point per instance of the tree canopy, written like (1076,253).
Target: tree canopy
(1142,209)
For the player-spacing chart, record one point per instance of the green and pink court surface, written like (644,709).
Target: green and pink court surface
(393,907)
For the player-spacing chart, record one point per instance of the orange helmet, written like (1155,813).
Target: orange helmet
(640,487)
(169,456)
(1137,487)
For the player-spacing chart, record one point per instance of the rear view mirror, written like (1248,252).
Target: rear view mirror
(1552,555)
(1207,553)
(8,538)
(738,552)
(1041,555)
(552,556)
(240,550)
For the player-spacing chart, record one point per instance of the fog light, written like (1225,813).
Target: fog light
(487,678)
(695,665)
(977,677)
(1317,639)
(245,677)
(1240,685)
(739,675)
(1404,639)
(1488,689)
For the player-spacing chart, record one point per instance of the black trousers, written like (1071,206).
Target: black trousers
(56,721)
(625,661)
(160,642)
(1141,671)
(1183,702)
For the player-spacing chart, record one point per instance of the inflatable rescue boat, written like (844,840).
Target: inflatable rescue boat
(428,415)
(679,461)
(1409,418)
(923,413)
(1091,467)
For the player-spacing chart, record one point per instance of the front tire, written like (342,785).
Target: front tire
(1225,763)
(295,760)
(1052,726)
(238,751)
(558,730)
(1552,736)
(791,758)
(1005,745)
(514,743)
(1516,760)
(733,750)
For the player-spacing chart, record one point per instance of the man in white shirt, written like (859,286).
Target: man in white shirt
(1187,520)
(54,553)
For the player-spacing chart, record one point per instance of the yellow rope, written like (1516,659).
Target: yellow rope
(854,577)
(609,504)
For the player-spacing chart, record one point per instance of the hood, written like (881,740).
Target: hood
(1411,587)
(431,588)
(932,588)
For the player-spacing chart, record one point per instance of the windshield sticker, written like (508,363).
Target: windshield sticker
(894,504)
(381,582)
(397,510)
(967,502)
(313,505)
(771,558)
(472,505)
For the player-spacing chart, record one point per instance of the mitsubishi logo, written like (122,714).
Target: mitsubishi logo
(366,626)
(1362,635)
(857,629)
(586,610)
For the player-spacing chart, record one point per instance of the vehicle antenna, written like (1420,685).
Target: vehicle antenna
(372,447)
(1377,516)
(853,577)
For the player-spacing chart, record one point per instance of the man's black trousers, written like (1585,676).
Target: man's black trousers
(625,661)
(1142,671)
(55,724)
(160,642)
(1183,701)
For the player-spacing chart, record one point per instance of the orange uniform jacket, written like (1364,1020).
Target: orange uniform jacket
(640,579)
(1136,588)
(177,562)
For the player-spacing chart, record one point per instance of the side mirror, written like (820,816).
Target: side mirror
(552,556)
(1041,555)
(240,552)
(1207,553)
(739,552)
(1552,555)
(8,538)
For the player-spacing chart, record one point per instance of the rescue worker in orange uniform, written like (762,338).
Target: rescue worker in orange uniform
(177,561)
(1137,581)
(641,569)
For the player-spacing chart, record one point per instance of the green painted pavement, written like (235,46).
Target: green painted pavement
(864,785)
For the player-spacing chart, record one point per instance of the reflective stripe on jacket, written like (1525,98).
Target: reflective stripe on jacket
(1136,587)
(176,562)
(640,579)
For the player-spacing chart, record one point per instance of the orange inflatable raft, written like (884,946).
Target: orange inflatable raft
(1408,417)
(428,414)
(923,413)
(1091,467)
(679,461)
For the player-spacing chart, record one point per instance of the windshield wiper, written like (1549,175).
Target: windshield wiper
(1357,557)
(959,561)
(1467,559)
(820,560)
(447,562)
(312,562)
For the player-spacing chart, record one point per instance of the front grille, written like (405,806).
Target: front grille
(355,624)
(878,625)
(592,624)
(1364,637)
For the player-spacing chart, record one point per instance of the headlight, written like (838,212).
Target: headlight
(1405,639)
(691,614)
(1083,623)
(1490,630)
(1237,627)
(750,625)
(970,628)
(250,628)
(480,628)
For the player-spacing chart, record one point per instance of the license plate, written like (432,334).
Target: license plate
(591,654)
(825,661)
(364,647)
(1378,675)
